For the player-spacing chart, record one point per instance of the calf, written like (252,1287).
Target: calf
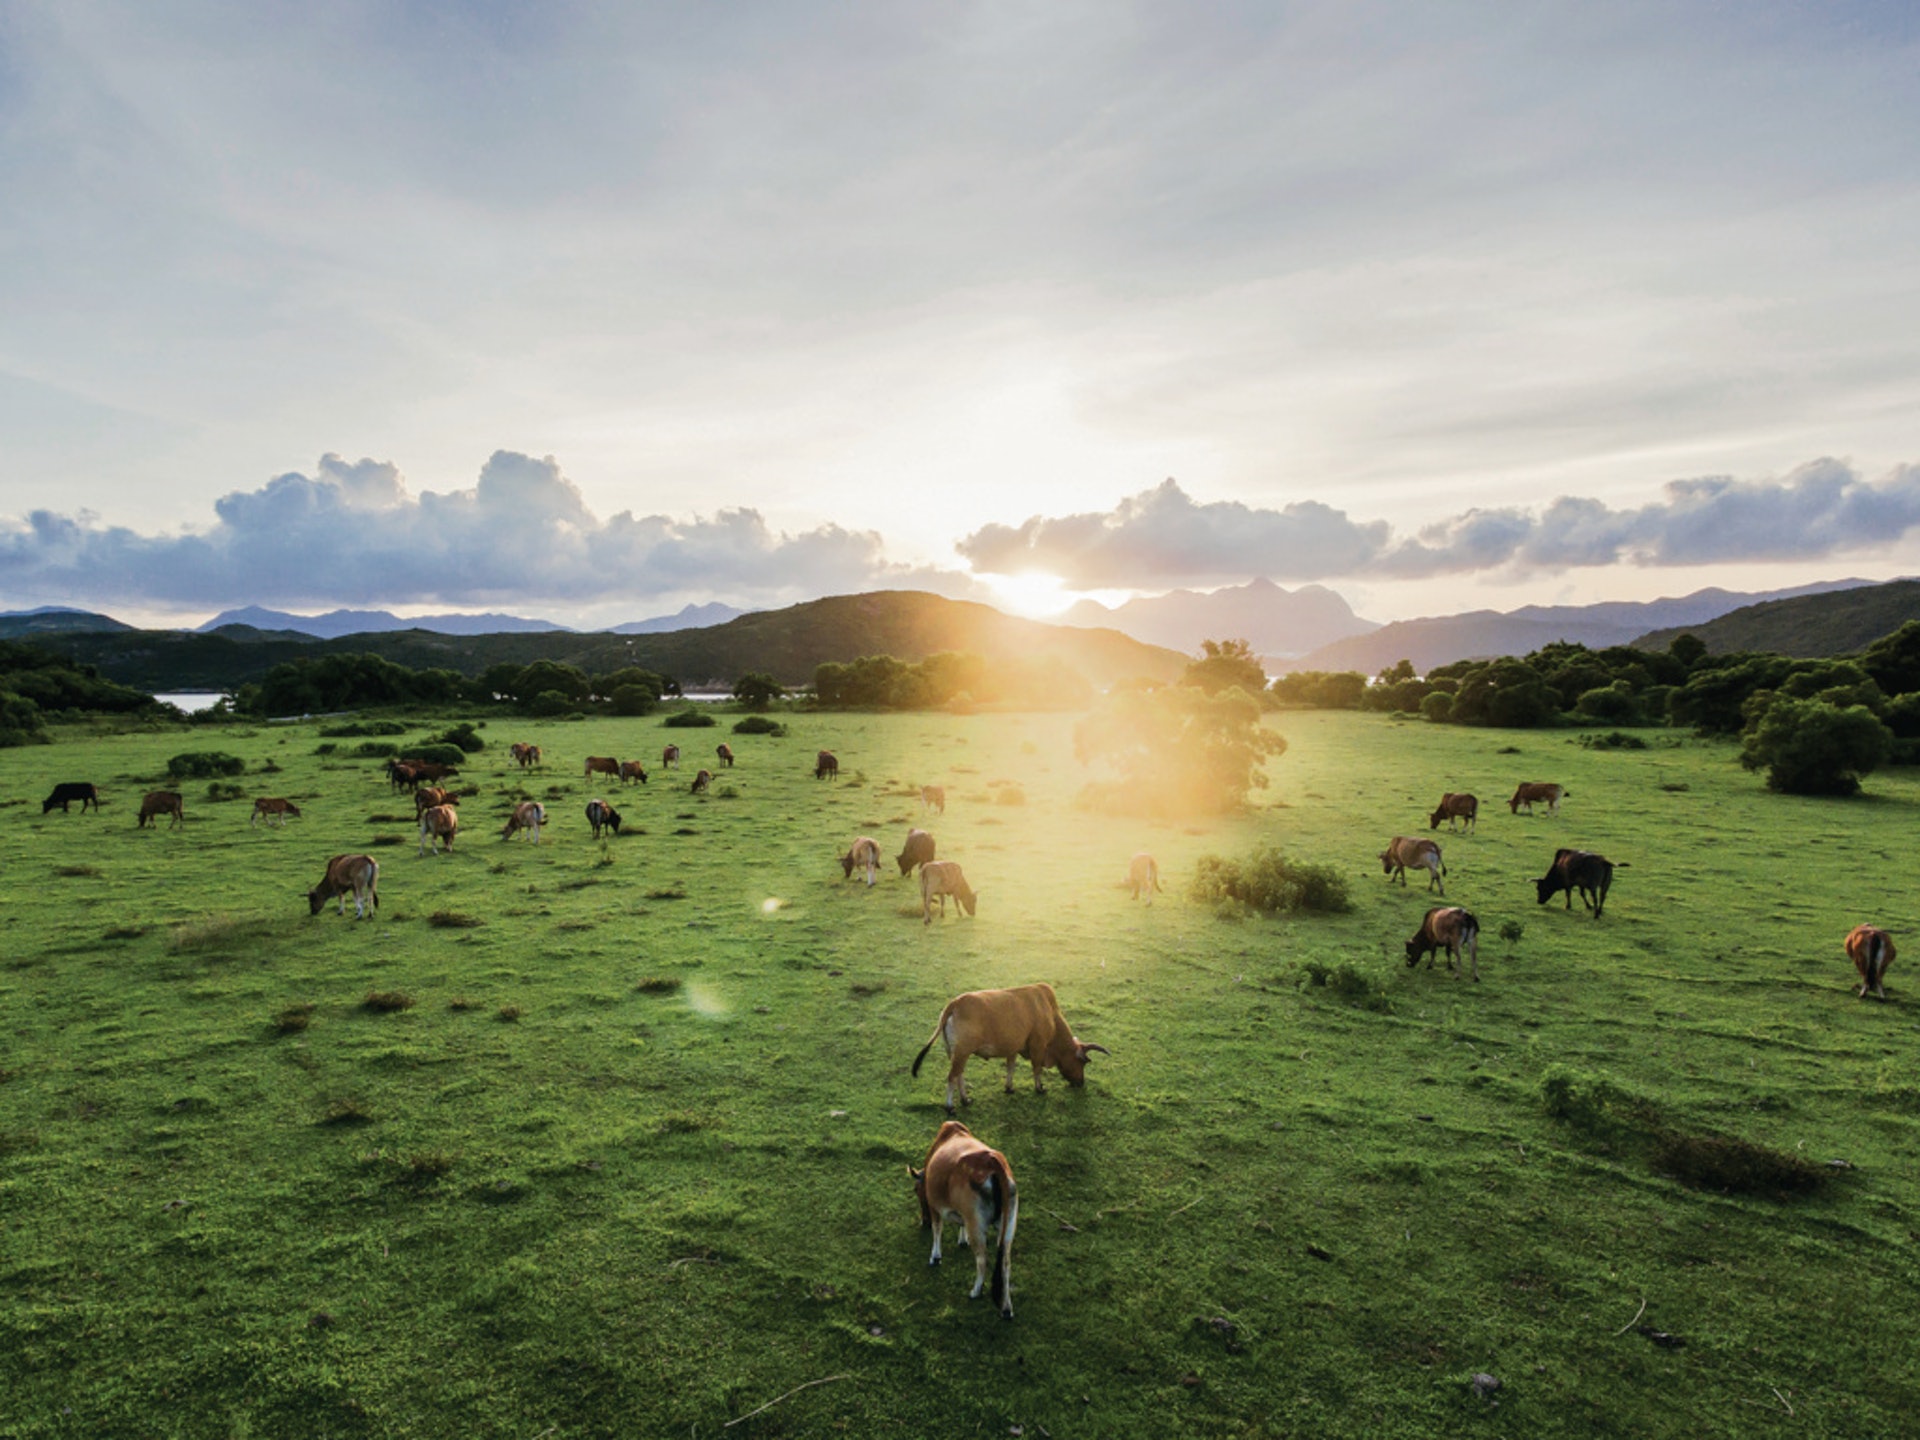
(826,766)
(1454,807)
(1582,870)
(68,791)
(702,781)
(725,752)
(939,879)
(528,815)
(670,758)
(1021,1023)
(917,851)
(1403,854)
(601,765)
(162,802)
(273,807)
(964,1180)
(1871,950)
(1143,876)
(1451,929)
(438,825)
(1531,791)
(356,875)
(631,770)
(602,816)
(863,854)
(934,798)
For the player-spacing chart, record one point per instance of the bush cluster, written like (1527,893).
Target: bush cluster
(758,725)
(1269,882)
(689,720)
(204,765)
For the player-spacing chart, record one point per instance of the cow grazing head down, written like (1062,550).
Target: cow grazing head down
(1006,1025)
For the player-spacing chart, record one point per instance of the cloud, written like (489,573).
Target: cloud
(352,533)
(1162,537)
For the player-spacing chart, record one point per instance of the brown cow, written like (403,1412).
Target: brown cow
(1143,877)
(1403,854)
(939,879)
(429,770)
(161,802)
(631,770)
(702,781)
(356,875)
(917,851)
(725,752)
(826,766)
(964,1180)
(1023,1023)
(1454,807)
(528,815)
(602,816)
(438,825)
(1532,790)
(271,806)
(1451,929)
(934,798)
(864,854)
(524,755)
(670,758)
(428,795)
(1871,950)
(601,765)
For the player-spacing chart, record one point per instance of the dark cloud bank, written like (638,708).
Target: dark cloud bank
(1162,537)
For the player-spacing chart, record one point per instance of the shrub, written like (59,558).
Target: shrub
(689,720)
(376,749)
(1811,747)
(550,703)
(463,737)
(224,790)
(758,725)
(1437,707)
(757,688)
(1268,881)
(634,700)
(204,764)
(387,1001)
(1612,740)
(362,727)
(437,753)
(1350,984)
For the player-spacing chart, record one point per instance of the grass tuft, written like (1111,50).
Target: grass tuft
(509,1014)
(675,891)
(461,1002)
(220,932)
(454,920)
(125,932)
(350,1110)
(385,1002)
(294,1019)
(380,840)
(659,985)
(77,872)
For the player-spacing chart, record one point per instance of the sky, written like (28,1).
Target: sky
(589,311)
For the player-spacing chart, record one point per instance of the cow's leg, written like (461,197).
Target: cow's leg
(982,1249)
(939,1224)
(1011,1061)
(1473,953)
(957,1081)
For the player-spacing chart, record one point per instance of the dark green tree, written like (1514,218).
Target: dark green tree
(1226,665)
(757,689)
(1811,747)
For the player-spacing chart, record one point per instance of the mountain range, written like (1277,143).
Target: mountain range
(336,623)
(1276,622)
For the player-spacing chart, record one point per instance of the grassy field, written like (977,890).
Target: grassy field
(633,1160)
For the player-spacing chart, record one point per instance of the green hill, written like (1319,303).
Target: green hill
(787,644)
(1807,627)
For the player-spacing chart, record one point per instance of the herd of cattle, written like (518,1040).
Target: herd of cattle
(962,1179)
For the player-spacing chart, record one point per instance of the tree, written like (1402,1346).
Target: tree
(1224,665)
(1812,747)
(1177,749)
(757,689)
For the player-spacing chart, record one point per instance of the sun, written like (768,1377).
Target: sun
(1032,593)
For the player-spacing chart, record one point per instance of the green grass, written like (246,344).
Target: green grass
(235,1200)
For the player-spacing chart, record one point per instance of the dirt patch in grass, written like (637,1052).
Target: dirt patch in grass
(221,932)
(454,920)
(659,985)
(78,872)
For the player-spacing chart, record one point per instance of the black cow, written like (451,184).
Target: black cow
(1580,870)
(602,815)
(68,791)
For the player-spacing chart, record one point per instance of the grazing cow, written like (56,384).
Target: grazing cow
(430,770)
(1451,929)
(965,1181)
(934,798)
(528,815)
(401,776)
(1582,870)
(631,770)
(826,766)
(917,851)
(162,802)
(702,781)
(1023,1023)
(525,756)
(1403,854)
(725,752)
(602,816)
(428,795)
(939,879)
(1455,807)
(272,807)
(68,791)
(355,875)
(1531,791)
(1871,950)
(438,825)
(670,758)
(1143,876)
(601,765)
(863,854)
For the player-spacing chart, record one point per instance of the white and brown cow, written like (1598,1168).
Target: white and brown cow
(438,825)
(1451,929)
(863,854)
(670,758)
(725,752)
(355,875)
(275,809)
(528,815)
(524,756)
(939,879)
(1871,950)
(1531,790)
(967,1181)
(1403,854)
(602,816)
(702,781)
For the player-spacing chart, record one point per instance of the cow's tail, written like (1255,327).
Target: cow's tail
(1005,1200)
(938,1029)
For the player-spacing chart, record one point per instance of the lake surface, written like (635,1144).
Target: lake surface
(192,700)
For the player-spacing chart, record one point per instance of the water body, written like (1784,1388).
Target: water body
(192,700)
